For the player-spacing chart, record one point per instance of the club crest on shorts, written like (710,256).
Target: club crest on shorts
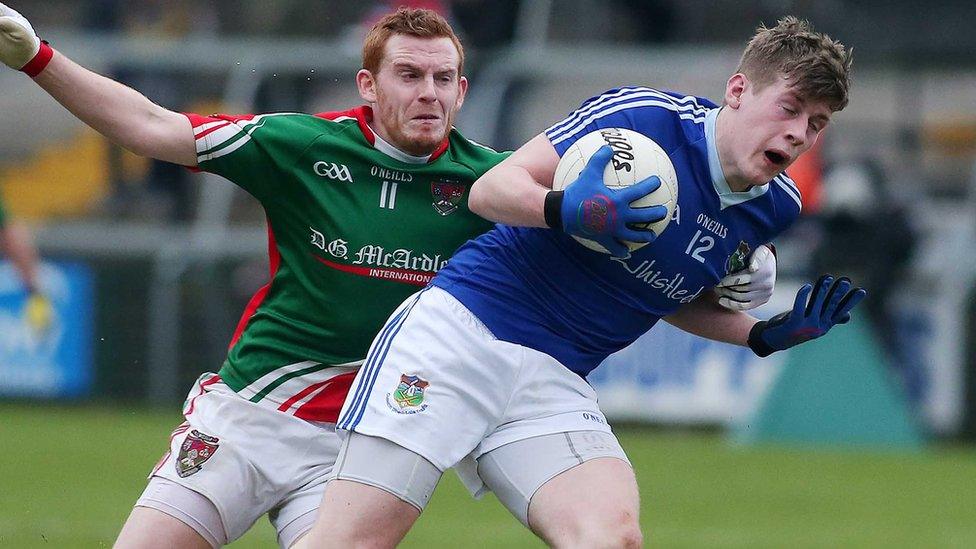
(447,195)
(737,261)
(408,396)
(195,450)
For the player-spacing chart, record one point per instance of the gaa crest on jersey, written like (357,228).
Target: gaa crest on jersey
(447,196)
(408,396)
(737,261)
(195,450)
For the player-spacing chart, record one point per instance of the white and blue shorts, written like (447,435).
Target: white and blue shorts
(438,383)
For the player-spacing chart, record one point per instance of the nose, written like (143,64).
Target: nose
(796,132)
(428,90)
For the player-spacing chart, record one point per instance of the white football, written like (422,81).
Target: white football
(635,158)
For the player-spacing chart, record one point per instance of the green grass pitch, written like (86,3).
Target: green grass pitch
(69,475)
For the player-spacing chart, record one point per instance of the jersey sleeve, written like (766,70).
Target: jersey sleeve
(252,151)
(653,113)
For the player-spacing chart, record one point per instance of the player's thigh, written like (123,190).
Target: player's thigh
(148,528)
(375,495)
(354,514)
(595,504)
(588,468)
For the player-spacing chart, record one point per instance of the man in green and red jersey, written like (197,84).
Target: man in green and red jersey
(363,207)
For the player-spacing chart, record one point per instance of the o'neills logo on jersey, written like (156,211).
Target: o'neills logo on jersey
(400,265)
(671,286)
(447,196)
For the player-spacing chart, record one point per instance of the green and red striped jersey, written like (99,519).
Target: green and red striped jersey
(354,227)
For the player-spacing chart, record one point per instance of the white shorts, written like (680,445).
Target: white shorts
(438,383)
(248,460)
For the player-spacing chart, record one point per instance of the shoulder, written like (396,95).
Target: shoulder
(477,156)
(786,198)
(666,117)
(220,134)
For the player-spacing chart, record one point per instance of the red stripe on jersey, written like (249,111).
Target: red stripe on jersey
(197,120)
(210,130)
(441,149)
(257,299)
(415,278)
(326,405)
(302,394)
(363,114)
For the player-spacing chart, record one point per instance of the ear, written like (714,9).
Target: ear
(366,84)
(462,90)
(734,89)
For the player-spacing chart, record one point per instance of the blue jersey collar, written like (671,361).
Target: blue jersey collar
(725,194)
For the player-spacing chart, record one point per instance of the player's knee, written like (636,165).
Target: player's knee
(616,528)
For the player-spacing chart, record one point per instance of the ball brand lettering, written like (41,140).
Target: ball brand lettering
(390,175)
(338,172)
(712,226)
(377,256)
(622,158)
(670,286)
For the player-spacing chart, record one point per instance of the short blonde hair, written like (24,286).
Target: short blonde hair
(421,23)
(817,66)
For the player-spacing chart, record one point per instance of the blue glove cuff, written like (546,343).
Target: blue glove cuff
(756,343)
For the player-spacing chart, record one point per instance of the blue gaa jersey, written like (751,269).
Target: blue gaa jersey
(541,289)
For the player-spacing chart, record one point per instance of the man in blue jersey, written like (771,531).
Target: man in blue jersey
(485,369)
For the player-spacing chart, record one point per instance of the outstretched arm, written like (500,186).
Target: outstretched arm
(120,113)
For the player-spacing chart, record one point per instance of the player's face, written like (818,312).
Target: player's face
(416,92)
(767,130)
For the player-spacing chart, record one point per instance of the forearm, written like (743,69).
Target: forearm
(704,317)
(19,248)
(123,115)
(514,192)
(508,194)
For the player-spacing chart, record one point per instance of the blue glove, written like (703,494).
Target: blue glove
(816,310)
(588,209)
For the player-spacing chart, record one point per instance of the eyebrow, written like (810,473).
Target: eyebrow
(405,65)
(414,66)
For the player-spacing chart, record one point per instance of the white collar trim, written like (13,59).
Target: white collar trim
(721,185)
(381,145)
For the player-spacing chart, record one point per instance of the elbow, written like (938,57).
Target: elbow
(478,199)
